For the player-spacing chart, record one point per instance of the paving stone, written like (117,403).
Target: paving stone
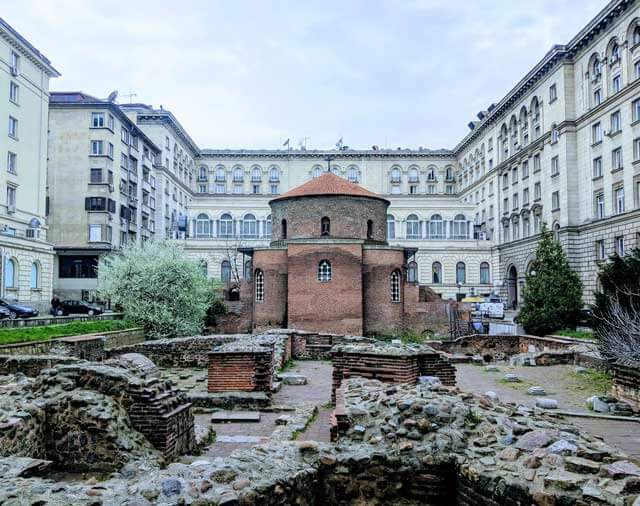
(240,439)
(536,391)
(547,403)
(292,378)
(235,417)
(621,468)
(492,368)
(511,378)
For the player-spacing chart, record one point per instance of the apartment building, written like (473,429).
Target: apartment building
(26,255)
(102,187)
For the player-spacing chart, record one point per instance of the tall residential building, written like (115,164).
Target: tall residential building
(102,187)
(26,256)
(561,148)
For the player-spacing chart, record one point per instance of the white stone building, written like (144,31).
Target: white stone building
(561,148)
(26,255)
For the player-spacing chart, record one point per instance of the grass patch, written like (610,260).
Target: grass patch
(576,334)
(296,433)
(523,384)
(46,332)
(287,366)
(409,338)
(590,382)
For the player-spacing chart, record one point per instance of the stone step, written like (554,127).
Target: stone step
(236,417)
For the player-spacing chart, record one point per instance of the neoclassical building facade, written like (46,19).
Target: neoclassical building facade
(562,148)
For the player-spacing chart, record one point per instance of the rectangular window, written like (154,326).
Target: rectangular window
(596,133)
(505,180)
(616,84)
(202,188)
(448,189)
(11,199)
(635,110)
(14,92)
(514,175)
(111,123)
(95,233)
(553,93)
(255,189)
(555,166)
(555,201)
(636,69)
(97,119)
(413,189)
(525,196)
(431,188)
(616,159)
(619,245)
(237,188)
(78,266)
(537,191)
(111,151)
(15,62)
(97,147)
(597,167)
(96,175)
(124,135)
(600,250)
(515,201)
(95,203)
(12,163)
(525,169)
(619,200)
(536,163)
(220,188)
(124,161)
(274,189)
(616,122)
(13,127)
(505,205)
(597,97)
(599,206)
(636,149)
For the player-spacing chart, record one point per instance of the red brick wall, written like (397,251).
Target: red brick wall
(381,316)
(246,371)
(348,217)
(335,306)
(272,311)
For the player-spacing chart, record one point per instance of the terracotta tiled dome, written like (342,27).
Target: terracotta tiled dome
(328,184)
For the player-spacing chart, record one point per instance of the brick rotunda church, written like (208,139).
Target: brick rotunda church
(329,267)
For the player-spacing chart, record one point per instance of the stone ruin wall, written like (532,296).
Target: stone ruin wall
(626,384)
(248,370)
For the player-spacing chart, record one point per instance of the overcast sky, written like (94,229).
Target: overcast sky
(251,74)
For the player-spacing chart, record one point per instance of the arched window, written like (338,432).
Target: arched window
(325,226)
(247,270)
(225,271)
(369,229)
(461,273)
(259,281)
(35,276)
(556,231)
(395,175)
(352,175)
(283,229)
(413,175)
(431,175)
(204,268)
(249,226)
(238,175)
(220,174)
(436,227)
(412,272)
(460,227)
(615,52)
(395,286)
(267,224)
(636,35)
(436,273)
(203,226)
(484,273)
(256,174)
(316,172)
(413,227)
(203,173)
(10,272)
(274,174)
(596,67)
(391,227)
(226,225)
(324,271)
(449,174)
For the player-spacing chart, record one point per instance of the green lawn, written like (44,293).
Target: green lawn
(577,334)
(46,332)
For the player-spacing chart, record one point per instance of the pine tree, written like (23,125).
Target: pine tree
(553,291)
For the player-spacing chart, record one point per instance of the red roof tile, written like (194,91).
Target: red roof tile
(328,184)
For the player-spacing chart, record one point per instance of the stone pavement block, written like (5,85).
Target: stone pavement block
(241,439)
(289,378)
(235,417)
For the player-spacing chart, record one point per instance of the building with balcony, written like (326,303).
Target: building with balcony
(26,254)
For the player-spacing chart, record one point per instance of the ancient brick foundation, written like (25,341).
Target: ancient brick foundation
(247,369)
(390,364)
(626,384)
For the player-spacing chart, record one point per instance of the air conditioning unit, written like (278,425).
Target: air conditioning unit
(14,71)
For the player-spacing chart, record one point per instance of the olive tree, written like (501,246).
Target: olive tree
(157,288)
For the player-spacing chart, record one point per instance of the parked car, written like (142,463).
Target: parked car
(68,307)
(4,313)
(17,310)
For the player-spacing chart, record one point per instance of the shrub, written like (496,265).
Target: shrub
(157,288)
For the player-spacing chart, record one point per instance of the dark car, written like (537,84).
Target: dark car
(4,313)
(17,310)
(68,307)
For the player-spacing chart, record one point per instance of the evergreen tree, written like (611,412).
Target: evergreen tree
(157,288)
(553,291)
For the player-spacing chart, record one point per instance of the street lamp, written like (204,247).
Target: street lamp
(459,285)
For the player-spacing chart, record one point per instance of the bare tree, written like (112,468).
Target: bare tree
(618,328)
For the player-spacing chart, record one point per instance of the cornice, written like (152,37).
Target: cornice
(319,154)
(27,49)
